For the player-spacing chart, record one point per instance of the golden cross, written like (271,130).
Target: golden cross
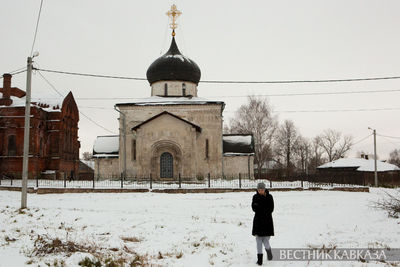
(173,14)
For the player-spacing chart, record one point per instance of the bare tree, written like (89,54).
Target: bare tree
(390,203)
(303,152)
(287,140)
(256,117)
(317,153)
(226,129)
(87,155)
(395,157)
(334,145)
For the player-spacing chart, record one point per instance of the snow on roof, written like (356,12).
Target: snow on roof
(106,156)
(237,143)
(49,172)
(365,165)
(89,163)
(233,154)
(105,145)
(243,139)
(158,100)
(49,105)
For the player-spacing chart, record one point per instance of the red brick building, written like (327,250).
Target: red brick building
(54,145)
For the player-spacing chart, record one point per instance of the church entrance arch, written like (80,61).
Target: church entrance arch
(166,160)
(166,165)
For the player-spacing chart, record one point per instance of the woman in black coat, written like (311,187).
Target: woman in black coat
(263,225)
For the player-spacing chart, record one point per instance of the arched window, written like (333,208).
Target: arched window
(165,89)
(166,165)
(133,150)
(207,148)
(183,89)
(12,145)
(41,147)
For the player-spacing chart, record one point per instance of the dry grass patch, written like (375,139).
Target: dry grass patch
(44,245)
(130,239)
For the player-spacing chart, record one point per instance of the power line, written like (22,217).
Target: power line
(336,110)
(37,26)
(92,75)
(362,139)
(15,72)
(87,117)
(263,95)
(309,81)
(393,143)
(229,82)
(319,93)
(285,111)
(395,137)
(49,83)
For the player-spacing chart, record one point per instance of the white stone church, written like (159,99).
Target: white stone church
(173,132)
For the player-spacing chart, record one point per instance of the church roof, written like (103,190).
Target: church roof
(173,66)
(238,144)
(106,146)
(160,101)
(198,128)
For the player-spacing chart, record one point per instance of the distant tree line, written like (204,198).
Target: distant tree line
(283,143)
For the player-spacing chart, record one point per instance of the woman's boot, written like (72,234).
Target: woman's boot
(259,259)
(269,254)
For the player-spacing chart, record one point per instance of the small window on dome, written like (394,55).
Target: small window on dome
(183,89)
(165,89)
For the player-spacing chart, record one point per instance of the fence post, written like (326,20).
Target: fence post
(240,180)
(65,180)
(180,181)
(270,183)
(93,181)
(0,179)
(209,180)
(122,181)
(11,181)
(151,182)
(302,183)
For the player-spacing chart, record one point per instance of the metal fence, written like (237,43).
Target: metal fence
(238,182)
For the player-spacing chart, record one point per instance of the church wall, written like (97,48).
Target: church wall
(165,134)
(233,165)
(208,117)
(106,168)
(174,88)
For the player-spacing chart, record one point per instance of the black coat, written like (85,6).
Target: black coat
(263,206)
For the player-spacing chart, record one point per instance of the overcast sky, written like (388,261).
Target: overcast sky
(229,40)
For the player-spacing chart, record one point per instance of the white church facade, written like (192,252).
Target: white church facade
(173,132)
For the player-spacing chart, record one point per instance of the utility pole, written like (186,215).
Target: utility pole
(375,157)
(123,140)
(24,186)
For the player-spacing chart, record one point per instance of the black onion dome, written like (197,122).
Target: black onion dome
(173,66)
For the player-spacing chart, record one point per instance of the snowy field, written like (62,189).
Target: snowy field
(185,229)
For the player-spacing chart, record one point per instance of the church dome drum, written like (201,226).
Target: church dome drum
(173,66)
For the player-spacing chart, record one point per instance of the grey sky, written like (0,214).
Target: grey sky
(229,40)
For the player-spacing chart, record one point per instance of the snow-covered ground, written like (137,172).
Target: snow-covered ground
(186,229)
